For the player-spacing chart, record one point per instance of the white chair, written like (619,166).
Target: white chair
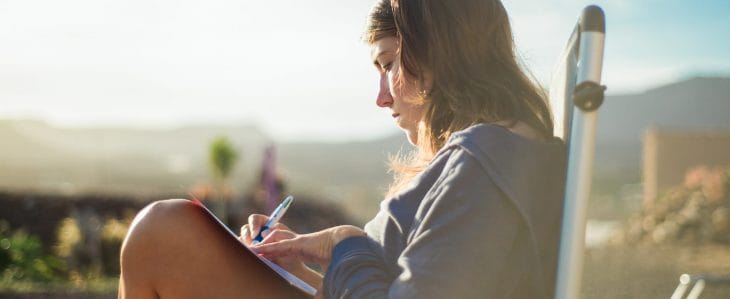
(576,83)
(697,283)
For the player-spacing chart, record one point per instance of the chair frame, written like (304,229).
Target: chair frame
(697,283)
(581,67)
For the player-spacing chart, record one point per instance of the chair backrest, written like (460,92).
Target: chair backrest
(562,86)
(576,84)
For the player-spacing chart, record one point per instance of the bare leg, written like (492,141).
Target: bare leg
(174,250)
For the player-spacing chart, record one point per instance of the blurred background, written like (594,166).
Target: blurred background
(106,106)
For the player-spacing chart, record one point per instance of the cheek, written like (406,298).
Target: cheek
(399,88)
(393,84)
(416,112)
(396,85)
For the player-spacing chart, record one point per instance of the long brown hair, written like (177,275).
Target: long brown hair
(467,49)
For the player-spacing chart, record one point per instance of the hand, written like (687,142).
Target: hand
(252,228)
(290,263)
(308,248)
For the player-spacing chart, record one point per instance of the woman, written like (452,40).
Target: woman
(473,213)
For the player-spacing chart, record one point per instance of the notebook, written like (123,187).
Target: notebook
(291,278)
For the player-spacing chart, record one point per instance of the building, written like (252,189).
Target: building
(669,153)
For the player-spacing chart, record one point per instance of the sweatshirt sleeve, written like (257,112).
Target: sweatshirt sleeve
(465,243)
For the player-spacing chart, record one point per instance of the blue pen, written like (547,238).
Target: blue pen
(274,218)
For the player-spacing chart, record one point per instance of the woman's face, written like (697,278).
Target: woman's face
(400,98)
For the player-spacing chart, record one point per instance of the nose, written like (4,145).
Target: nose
(384,99)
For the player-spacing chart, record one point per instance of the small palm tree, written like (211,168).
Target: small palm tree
(222,158)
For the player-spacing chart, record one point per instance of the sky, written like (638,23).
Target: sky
(296,69)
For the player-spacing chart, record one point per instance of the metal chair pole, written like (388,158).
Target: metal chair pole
(581,151)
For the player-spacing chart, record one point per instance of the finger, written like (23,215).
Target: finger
(274,250)
(244,230)
(245,236)
(276,235)
(305,248)
(255,222)
(282,226)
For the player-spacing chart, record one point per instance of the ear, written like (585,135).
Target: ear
(426,82)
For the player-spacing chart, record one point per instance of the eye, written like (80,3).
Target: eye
(387,66)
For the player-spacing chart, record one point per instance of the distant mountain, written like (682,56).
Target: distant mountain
(694,104)
(35,155)
(354,173)
(40,157)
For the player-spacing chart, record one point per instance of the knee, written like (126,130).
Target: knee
(167,209)
(155,222)
(160,211)
(160,215)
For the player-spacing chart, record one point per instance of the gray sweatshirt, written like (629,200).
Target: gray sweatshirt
(481,221)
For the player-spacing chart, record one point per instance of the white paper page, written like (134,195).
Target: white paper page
(291,278)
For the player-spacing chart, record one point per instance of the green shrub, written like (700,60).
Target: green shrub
(22,259)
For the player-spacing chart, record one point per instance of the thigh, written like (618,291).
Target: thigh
(180,251)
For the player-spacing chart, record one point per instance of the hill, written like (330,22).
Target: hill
(146,162)
(694,104)
(38,156)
